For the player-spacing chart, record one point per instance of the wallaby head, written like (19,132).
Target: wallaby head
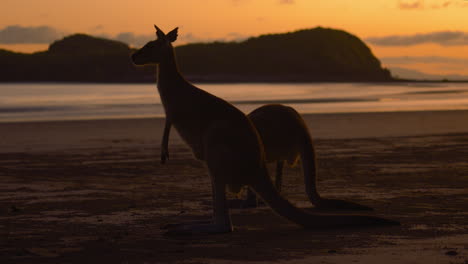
(158,50)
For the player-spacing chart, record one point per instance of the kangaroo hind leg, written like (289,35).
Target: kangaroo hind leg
(221,221)
(223,157)
(252,201)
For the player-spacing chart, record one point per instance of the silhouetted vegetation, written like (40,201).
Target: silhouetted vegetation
(307,55)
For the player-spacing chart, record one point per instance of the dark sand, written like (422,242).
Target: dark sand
(95,192)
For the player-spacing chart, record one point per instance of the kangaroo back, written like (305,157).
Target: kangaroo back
(286,138)
(279,130)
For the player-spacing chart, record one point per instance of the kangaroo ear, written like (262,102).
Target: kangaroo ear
(172,36)
(159,33)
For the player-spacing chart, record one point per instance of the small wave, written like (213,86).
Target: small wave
(35,109)
(306,101)
(438,92)
(147,107)
(66,108)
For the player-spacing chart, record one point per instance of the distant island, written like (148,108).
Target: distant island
(311,55)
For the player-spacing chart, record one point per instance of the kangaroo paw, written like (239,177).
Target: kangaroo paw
(164,155)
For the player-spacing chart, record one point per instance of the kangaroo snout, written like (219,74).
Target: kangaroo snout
(135,59)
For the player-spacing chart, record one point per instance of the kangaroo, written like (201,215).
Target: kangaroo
(226,140)
(286,139)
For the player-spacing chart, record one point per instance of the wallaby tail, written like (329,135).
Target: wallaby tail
(309,168)
(264,187)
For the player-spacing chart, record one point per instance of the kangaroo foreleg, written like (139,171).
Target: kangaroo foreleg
(165,141)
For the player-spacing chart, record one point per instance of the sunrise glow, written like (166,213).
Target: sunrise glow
(238,19)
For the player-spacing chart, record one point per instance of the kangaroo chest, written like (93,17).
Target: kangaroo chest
(190,114)
(193,111)
(190,124)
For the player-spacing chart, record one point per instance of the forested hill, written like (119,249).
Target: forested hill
(317,54)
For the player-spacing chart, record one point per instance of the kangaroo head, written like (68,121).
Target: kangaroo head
(157,50)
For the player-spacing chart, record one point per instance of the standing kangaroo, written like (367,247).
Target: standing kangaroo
(223,137)
(286,138)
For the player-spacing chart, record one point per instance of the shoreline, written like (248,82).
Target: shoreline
(305,115)
(49,135)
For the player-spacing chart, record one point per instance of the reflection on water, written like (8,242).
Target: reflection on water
(25,102)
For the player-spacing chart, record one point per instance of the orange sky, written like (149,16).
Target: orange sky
(228,19)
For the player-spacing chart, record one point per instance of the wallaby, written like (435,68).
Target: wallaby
(286,139)
(226,140)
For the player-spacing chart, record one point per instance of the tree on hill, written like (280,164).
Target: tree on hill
(85,44)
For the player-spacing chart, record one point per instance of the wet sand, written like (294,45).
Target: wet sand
(95,192)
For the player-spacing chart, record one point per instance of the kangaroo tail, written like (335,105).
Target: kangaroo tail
(264,187)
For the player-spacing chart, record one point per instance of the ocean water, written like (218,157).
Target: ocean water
(56,101)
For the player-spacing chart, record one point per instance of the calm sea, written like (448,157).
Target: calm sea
(32,102)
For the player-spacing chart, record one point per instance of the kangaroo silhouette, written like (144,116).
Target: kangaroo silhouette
(226,140)
(286,139)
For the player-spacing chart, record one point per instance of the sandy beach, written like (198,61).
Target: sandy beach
(95,192)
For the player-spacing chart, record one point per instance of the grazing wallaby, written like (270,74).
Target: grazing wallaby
(223,137)
(286,138)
